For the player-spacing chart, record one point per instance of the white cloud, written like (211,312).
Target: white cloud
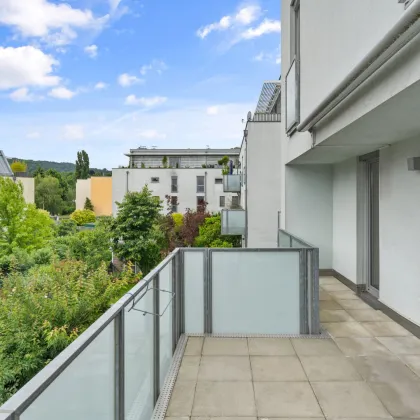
(21,95)
(152,134)
(91,50)
(74,132)
(101,86)
(26,66)
(113,4)
(51,22)
(267,26)
(212,110)
(244,16)
(33,135)
(126,79)
(145,102)
(158,66)
(61,92)
(271,57)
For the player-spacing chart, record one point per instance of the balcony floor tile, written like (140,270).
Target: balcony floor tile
(225,368)
(225,346)
(277,368)
(270,347)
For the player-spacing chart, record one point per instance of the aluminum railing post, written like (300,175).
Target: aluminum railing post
(119,377)
(156,340)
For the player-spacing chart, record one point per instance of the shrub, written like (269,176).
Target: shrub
(88,204)
(41,313)
(81,217)
(43,256)
(67,227)
(178,219)
(18,166)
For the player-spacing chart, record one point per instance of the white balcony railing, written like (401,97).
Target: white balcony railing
(120,367)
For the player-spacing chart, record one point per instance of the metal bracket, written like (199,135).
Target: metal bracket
(148,289)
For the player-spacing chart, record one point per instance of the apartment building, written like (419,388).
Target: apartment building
(189,176)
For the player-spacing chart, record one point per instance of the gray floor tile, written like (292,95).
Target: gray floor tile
(384,368)
(386,329)
(368,315)
(270,347)
(324,295)
(194,346)
(225,346)
(189,368)
(351,346)
(286,399)
(346,295)
(353,304)
(335,287)
(177,418)
(329,304)
(314,347)
(182,399)
(277,368)
(401,345)
(413,362)
(327,315)
(346,329)
(348,399)
(329,368)
(225,418)
(227,399)
(225,368)
(400,398)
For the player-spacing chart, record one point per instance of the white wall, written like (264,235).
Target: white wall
(309,207)
(345,218)
(187,186)
(264,179)
(28,188)
(83,188)
(399,215)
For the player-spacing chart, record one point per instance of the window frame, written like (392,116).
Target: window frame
(174,186)
(235,198)
(218,179)
(154,180)
(200,198)
(200,185)
(222,198)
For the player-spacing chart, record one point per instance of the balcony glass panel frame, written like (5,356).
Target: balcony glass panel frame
(232,183)
(233,222)
(292,96)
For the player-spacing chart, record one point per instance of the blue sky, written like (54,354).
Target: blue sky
(110,75)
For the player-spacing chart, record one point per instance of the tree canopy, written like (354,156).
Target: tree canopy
(82,165)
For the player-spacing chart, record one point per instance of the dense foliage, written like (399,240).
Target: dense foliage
(209,235)
(81,217)
(88,204)
(18,166)
(82,165)
(134,234)
(22,225)
(41,312)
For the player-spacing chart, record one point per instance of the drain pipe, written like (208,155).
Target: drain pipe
(406,29)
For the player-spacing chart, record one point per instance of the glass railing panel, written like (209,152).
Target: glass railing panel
(285,240)
(233,222)
(232,183)
(85,389)
(194,291)
(138,349)
(165,320)
(256,292)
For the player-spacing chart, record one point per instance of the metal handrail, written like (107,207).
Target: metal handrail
(20,401)
(307,244)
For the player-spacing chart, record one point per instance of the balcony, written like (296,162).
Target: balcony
(232,183)
(125,365)
(233,222)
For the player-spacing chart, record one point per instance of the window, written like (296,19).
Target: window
(292,76)
(174,162)
(174,184)
(200,201)
(222,201)
(218,181)
(200,184)
(235,202)
(174,204)
(154,179)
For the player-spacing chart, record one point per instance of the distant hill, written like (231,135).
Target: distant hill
(45,164)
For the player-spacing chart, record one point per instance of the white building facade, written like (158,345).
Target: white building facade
(188,187)
(348,148)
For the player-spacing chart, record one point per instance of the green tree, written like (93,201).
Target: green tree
(67,227)
(82,165)
(224,163)
(21,225)
(165,161)
(88,204)
(18,166)
(81,217)
(48,194)
(209,235)
(39,172)
(133,231)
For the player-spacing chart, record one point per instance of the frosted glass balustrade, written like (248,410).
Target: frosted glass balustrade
(256,292)
(85,389)
(233,222)
(138,351)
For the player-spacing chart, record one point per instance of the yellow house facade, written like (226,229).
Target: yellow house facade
(99,190)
